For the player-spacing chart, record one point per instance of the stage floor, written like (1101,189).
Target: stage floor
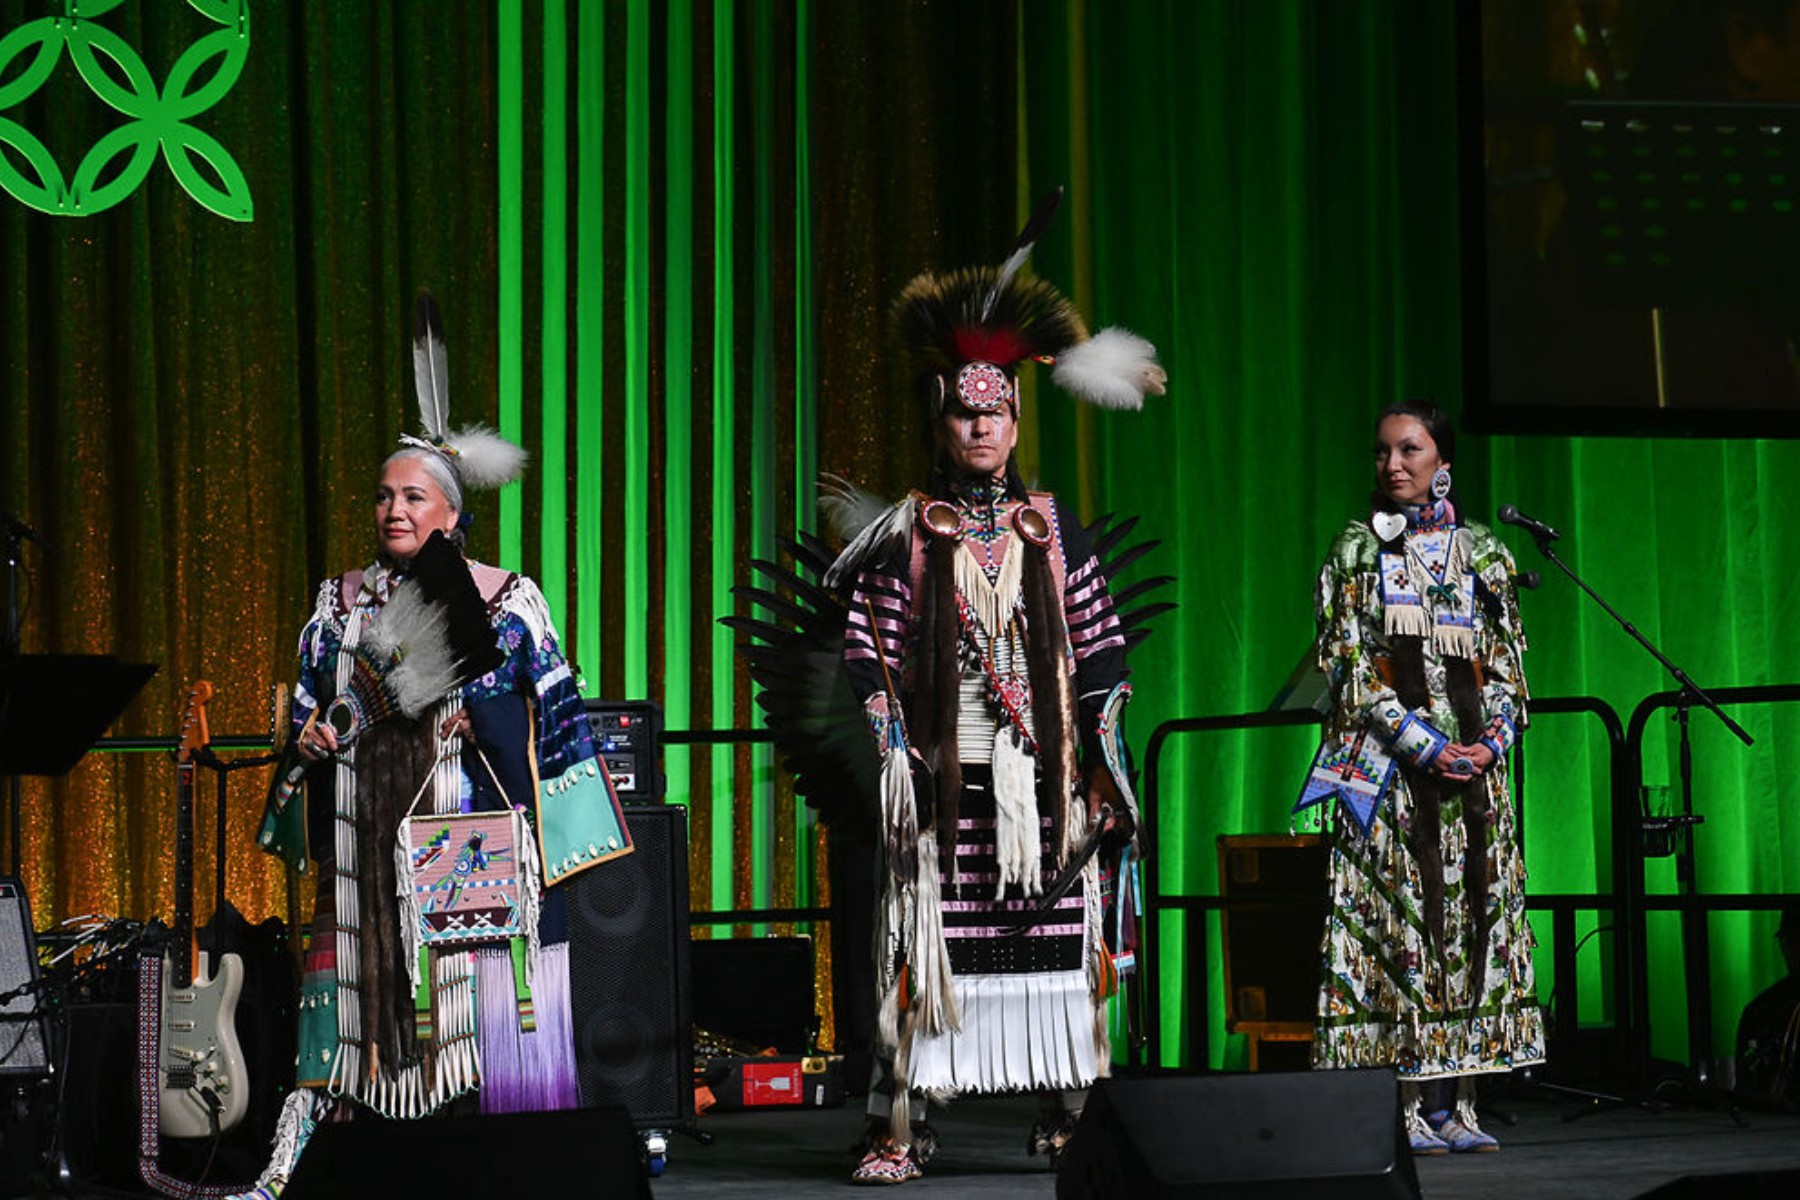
(1612,1154)
(1608,1154)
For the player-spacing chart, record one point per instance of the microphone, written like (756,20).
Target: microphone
(1528,579)
(1535,527)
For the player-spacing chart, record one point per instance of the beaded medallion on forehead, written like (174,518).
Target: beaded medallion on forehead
(983,387)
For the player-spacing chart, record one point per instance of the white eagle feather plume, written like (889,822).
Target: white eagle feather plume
(1113,369)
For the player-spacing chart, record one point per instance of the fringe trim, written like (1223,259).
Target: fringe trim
(411,911)
(1099,958)
(293,1129)
(456,1065)
(1457,641)
(551,1074)
(899,815)
(935,1007)
(992,603)
(497,1033)
(528,604)
(900,1107)
(1036,1032)
(524,1071)
(1407,620)
(1019,847)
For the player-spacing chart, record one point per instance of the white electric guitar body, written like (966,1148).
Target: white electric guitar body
(200,1065)
(200,1061)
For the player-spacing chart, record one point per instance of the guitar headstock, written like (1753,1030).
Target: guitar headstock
(193,722)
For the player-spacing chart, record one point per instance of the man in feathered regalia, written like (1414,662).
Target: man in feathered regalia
(989,659)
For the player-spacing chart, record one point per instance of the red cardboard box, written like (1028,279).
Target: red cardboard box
(781,1081)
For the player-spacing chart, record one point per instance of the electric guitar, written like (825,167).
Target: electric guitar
(203,1090)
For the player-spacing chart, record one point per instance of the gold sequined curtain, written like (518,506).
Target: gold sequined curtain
(194,408)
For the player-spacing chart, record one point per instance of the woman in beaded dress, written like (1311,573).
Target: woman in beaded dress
(1427,952)
(388,1025)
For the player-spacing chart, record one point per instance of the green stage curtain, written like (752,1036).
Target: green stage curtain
(1272,196)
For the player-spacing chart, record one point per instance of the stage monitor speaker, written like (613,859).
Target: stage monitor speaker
(24,1047)
(1739,1185)
(628,973)
(1320,1135)
(581,1152)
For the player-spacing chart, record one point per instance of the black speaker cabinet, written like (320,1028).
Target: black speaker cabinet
(1322,1135)
(583,1152)
(628,974)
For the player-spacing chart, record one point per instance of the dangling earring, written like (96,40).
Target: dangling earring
(1440,483)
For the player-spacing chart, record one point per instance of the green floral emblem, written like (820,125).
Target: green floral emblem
(118,162)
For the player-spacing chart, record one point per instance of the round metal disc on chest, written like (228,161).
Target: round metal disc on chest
(941,519)
(1032,525)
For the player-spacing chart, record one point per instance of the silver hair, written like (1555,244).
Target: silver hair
(436,466)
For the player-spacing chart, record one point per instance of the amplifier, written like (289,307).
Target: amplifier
(628,735)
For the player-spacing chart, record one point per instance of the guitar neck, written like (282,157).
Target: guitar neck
(181,938)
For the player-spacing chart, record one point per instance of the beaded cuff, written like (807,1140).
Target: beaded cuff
(1417,742)
(1500,736)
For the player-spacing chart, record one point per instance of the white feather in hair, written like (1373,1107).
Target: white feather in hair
(431,369)
(1112,369)
(484,459)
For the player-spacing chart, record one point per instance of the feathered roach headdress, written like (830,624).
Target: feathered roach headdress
(477,456)
(969,329)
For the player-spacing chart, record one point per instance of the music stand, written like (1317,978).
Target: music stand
(53,708)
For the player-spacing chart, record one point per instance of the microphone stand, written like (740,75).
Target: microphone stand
(10,644)
(1689,688)
(1674,832)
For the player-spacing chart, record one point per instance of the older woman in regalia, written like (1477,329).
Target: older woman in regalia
(405,1008)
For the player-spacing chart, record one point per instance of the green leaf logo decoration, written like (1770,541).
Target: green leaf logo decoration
(114,166)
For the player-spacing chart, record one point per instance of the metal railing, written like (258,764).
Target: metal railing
(1626,899)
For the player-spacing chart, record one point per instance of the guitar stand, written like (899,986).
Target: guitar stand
(222,770)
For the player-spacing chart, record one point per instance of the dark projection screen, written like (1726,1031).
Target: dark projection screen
(1631,233)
